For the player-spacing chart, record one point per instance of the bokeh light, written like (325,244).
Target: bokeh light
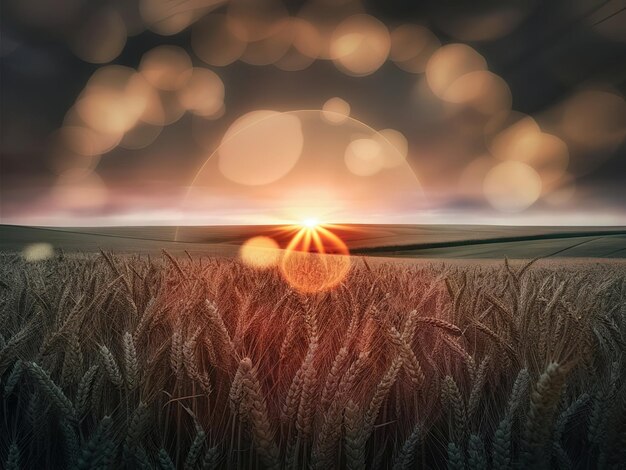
(85,141)
(481,90)
(113,100)
(593,121)
(503,132)
(336,110)
(166,67)
(257,150)
(260,252)
(100,38)
(214,43)
(399,141)
(167,18)
(37,252)
(512,186)
(449,63)
(546,153)
(305,45)
(325,16)
(364,157)
(140,136)
(412,46)
(360,45)
(269,50)
(203,94)
(253,20)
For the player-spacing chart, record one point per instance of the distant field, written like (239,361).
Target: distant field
(407,241)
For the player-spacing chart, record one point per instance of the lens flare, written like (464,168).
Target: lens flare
(315,259)
(260,252)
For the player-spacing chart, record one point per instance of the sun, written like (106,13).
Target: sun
(310,223)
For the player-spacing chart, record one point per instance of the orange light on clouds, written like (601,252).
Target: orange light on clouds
(79,190)
(594,118)
(336,172)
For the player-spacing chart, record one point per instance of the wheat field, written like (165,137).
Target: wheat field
(137,362)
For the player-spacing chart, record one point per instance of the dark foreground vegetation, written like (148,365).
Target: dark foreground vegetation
(127,362)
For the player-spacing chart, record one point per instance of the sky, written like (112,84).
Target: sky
(176,112)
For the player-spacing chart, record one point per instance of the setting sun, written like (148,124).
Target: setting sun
(310,223)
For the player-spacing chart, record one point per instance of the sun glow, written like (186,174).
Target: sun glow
(310,223)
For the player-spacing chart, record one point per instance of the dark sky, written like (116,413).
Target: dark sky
(547,52)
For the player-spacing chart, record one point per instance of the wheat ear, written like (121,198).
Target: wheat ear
(501,451)
(451,396)
(14,378)
(165,462)
(13,458)
(355,437)
(131,365)
(543,402)
(110,366)
(406,457)
(97,451)
(51,390)
(194,451)
(476,458)
(254,411)
(210,461)
(455,457)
